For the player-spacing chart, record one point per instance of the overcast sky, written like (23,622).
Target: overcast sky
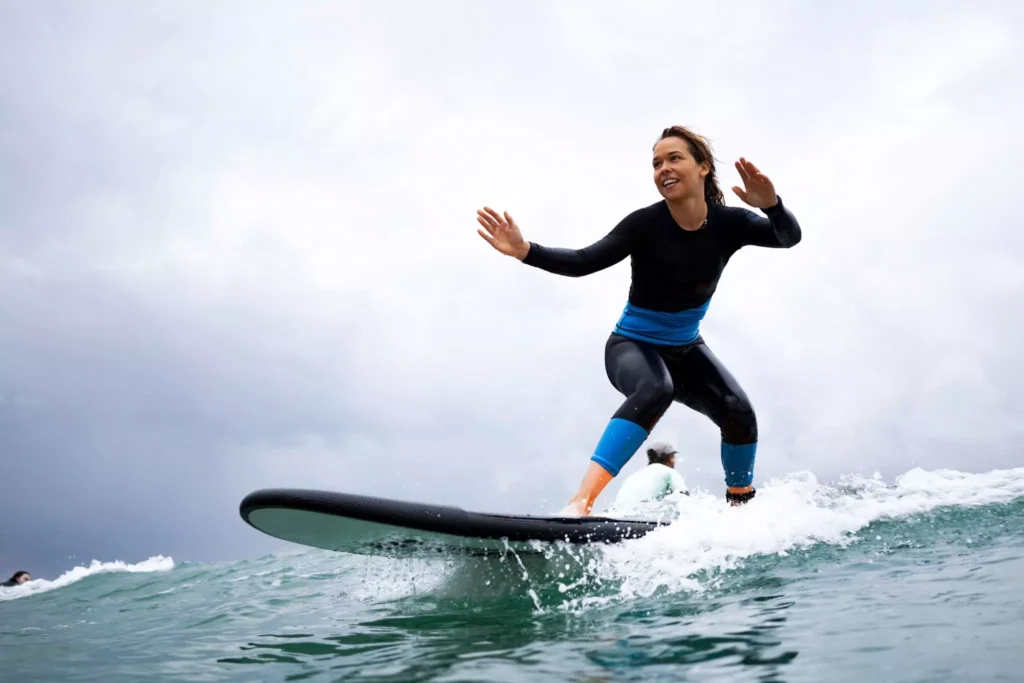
(238,249)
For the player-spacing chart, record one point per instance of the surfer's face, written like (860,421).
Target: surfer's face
(676,173)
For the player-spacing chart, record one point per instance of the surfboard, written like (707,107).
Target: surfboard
(368,525)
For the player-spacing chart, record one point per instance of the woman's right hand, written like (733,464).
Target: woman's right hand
(502,233)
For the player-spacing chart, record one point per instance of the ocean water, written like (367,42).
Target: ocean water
(917,579)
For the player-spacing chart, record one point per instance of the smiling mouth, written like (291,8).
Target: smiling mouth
(670,182)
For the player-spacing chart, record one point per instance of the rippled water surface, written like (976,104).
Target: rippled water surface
(919,580)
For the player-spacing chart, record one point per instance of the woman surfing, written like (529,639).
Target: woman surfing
(678,248)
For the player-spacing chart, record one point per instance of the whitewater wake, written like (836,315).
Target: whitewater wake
(158,563)
(708,538)
(790,513)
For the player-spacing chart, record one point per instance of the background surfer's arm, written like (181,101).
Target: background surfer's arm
(603,253)
(777,228)
(677,483)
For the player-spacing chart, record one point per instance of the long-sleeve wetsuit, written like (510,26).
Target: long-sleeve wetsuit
(655,353)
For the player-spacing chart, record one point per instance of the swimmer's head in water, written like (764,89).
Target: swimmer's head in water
(18,579)
(684,165)
(661,453)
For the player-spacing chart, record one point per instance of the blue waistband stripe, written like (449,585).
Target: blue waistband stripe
(660,327)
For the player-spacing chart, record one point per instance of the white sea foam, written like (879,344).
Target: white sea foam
(789,513)
(158,563)
(707,538)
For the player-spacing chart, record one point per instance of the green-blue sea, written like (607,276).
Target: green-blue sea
(916,579)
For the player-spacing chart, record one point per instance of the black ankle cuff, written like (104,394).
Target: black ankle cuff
(739,497)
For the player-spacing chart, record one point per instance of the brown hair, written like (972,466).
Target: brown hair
(654,456)
(700,148)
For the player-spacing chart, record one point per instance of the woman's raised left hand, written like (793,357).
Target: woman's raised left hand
(757,190)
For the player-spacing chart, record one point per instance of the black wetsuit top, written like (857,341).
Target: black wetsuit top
(673,269)
(675,272)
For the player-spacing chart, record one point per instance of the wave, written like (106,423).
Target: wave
(790,513)
(158,563)
(708,538)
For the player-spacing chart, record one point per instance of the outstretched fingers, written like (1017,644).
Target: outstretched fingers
(486,223)
(493,215)
(487,236)
(496,228)
(741,168)
(748,171)
(749,165)
(490,219)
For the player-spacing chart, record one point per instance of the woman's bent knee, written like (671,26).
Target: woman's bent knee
(647,403)
(739,422)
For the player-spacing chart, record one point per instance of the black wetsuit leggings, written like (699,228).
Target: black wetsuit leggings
(651,377)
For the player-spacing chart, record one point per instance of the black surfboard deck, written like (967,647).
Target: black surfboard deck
(368,525)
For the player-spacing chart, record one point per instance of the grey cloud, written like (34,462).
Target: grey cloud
(237,250)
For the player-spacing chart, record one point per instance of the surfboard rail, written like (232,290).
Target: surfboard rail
(354,522)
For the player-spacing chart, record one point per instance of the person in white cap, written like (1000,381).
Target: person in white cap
(655,481)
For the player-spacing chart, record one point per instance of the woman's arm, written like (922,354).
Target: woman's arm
(503,234)
(602,254)
(777,228)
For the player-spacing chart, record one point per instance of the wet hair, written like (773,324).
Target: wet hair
(656,456)
(13,581)
(700,148)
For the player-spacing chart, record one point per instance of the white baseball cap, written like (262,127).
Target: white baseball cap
(661,448)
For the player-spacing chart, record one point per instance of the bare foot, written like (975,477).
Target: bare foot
(593,483)
(576,508)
